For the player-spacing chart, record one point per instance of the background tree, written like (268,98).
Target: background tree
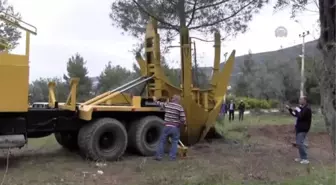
(9,34)
(270,79)
(173,75)
(39,89)
(200,78)
(76,68)
(286,80)
(264,83)
(201,15)
(246,76)
(112,77)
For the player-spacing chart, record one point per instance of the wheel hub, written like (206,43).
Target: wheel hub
(107,141)
(152,135)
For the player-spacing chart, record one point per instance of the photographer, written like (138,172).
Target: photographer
(303,116)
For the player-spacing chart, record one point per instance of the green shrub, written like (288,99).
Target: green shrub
(274,103)
(253,103)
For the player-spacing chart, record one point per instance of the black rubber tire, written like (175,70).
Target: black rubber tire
(138,131)
(67,139)
(89,139)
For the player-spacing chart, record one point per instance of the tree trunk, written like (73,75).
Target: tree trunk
(327,45)
(181,13)
(323,111)
(328,110)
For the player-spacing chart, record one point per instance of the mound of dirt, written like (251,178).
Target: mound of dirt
(274,132)
(286,134)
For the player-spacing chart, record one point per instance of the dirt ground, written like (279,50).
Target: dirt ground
(265,157)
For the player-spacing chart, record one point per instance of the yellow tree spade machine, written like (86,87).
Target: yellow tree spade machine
(103,127)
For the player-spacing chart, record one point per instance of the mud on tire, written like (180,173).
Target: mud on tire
(103,139)
(67,139)
(144,135)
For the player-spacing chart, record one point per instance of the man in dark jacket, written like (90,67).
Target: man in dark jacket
(241,109)
(303,116)
(232,107)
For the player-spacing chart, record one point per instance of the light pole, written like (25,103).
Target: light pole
(303,35)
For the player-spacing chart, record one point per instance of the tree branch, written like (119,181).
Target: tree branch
(193,13)
(221,20)
(189,3)
(304,8)
(204,40)
(172,2)
(154,17)
(207,6)
(316,4)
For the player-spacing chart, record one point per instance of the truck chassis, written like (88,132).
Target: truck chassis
(106,136)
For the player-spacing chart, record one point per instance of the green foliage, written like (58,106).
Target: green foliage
(112,77)
(172,74)
(273,103)
(297,6)
(39,89)
(204,16)
(247,72)
(76,68)
(277,79)
(9,34)
(253,103)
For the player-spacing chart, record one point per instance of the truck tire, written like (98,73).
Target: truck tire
(103,139)
(67,139)
(144,135)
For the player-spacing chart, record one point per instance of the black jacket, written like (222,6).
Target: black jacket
(304,118)
(241,106)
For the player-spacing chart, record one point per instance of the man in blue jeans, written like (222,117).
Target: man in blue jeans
(303,116)
(174,118)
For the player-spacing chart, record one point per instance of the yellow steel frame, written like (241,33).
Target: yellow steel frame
(71,102)
(201,106)
(14,97)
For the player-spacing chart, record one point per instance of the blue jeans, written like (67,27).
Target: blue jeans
(174,132)
(300,140)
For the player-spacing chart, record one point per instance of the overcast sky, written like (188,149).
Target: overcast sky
(69,26)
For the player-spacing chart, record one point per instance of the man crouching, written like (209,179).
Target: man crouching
(173,120)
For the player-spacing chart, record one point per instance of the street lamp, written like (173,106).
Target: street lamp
(303,35)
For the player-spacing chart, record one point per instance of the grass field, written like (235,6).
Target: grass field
(255,151)
(237,130)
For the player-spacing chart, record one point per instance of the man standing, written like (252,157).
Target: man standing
(223,111)
(174,118)
(232,108)
(303,116)
(241,108)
